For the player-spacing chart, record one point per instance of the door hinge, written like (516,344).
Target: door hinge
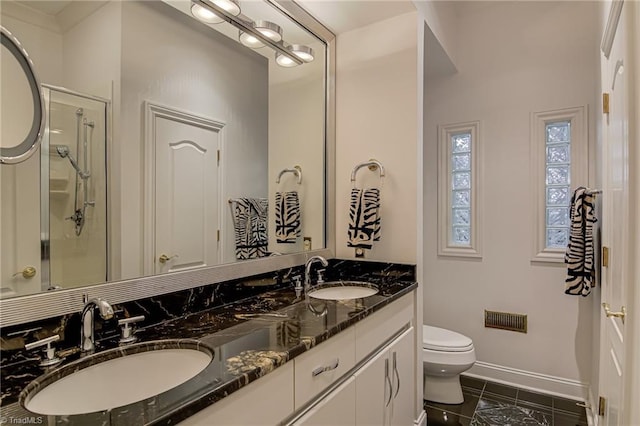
(605,103)
(218,235)
(602,404)
(605,256)
(218,156)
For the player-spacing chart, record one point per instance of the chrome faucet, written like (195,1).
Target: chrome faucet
(87,323)
(307,270)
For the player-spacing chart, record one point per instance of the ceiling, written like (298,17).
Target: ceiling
(48,7)
(345,15)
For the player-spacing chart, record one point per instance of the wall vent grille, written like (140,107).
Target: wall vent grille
(505,321)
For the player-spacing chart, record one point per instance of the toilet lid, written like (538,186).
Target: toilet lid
(440,339)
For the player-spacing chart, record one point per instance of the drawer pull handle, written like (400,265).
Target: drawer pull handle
(388,380)
(395,373)
(329,367)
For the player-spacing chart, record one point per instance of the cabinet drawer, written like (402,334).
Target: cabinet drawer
(310,379)
(270,398)
(372,332)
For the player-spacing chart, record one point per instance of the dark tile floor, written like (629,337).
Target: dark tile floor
(487,403)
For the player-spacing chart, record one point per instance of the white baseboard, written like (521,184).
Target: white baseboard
(558,386)
(421,420)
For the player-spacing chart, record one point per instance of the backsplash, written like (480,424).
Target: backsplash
(174,305)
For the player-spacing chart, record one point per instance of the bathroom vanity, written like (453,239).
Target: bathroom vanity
(277,358)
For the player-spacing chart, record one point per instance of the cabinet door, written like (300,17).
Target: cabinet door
(403,376)
(373,391)
(336,409)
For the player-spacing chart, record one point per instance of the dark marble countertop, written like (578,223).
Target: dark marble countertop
(245,348)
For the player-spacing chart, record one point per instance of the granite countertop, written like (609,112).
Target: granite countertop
(244,347)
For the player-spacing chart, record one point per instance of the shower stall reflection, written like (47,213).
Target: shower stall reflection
(75,156)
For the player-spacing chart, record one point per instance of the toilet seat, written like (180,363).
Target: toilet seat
(443,340)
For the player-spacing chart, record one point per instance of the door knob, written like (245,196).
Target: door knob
(607,311)
(27,272)
(164,258)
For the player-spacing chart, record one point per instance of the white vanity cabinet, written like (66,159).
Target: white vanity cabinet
(338,408)
(365,375)
(266,401)
(385,381)
(320,367)
(385,384)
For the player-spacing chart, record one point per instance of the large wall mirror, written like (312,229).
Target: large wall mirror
(174,142)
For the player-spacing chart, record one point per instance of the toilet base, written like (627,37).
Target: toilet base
(445,390)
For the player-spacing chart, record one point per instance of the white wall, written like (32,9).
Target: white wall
(376,117)
(296,137)
(513,58)
(166,61)
(442,30)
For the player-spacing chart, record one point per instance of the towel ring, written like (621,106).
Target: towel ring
(372,164)
(297,170)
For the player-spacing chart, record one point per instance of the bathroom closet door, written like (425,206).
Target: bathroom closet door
(619,353)
(186,192)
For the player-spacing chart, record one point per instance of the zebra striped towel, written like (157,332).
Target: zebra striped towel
(364,218)
(579,255)
(287,217)
(250,226)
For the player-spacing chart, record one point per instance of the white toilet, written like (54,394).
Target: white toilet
(445,354)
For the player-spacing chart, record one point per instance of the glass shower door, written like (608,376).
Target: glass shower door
(74,242)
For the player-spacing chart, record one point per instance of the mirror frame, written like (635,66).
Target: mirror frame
(26,148)
(54,303)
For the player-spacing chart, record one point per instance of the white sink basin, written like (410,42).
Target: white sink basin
(343,290)
(141,372)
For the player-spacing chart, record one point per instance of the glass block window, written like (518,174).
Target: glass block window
(559,164)
(558,183)
(458,190)
(460,231)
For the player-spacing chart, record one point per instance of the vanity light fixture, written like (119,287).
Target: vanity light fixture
(250,40)
(303,52)
(264,32)
(284,61)
(269,29)
(205,15)
(230,6)
(208,16)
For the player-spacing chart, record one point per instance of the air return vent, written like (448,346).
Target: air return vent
(505,321)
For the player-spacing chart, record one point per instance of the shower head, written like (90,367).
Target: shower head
(63,150)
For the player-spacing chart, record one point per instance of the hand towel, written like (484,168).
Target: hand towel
(364,218)
(580,251)
(287,218)
(250,226)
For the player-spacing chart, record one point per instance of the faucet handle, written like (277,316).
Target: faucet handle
(297,281)
(321,275)
(297,284)
(50,353)
(128,330)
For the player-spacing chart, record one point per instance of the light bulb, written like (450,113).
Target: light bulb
(285,61)
(303,52)
(205,15)
(250,40)
(269,30)
(229,6)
